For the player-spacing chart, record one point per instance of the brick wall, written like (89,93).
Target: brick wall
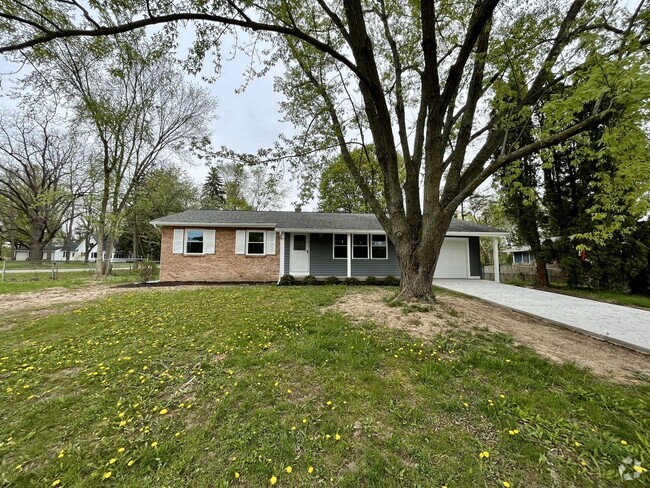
(224,265)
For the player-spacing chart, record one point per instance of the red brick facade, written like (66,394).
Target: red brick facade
(224,265)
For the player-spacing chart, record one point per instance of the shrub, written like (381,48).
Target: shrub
(351,281)
(332,280)
(147,270)
(287,280)
(309,280)
(391,281)
(372,280)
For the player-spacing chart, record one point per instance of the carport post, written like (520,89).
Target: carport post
(495,251)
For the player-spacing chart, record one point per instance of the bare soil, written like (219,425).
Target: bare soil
(457,313)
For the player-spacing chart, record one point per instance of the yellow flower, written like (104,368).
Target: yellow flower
(304,421)
(107,475)
(177,434)
(130,463)
(236,475)
(623,442)
(513,432)
(154,444)
(484,455)
(112,461)
(337,437)
(310,470)
(288,469)
(163,411)
(577,444)
(61,454)
(56,482)
(640,469)
(273,480)
(506,484)
(121,450)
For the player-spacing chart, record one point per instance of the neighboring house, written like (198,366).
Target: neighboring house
(243,246)
(76,249)
(521,255)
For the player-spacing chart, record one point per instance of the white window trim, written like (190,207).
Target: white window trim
(385,246)
(358,245)
(334,246)
(263,232)
(185,235)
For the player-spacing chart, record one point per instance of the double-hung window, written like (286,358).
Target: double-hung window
(378,247)
(340,246)
(255,242)
(194,241)
(360,246)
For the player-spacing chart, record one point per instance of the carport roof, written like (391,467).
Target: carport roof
(301,221)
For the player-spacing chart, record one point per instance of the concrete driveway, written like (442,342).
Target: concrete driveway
(626,326)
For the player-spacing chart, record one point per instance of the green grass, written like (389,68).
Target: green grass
(47,265)
(607,296)
(197,386)
(26,282)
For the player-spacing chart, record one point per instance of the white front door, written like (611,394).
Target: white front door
(299,255)
(454,258)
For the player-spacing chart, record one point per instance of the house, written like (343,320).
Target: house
(521,255)
(246,246)
(76,249)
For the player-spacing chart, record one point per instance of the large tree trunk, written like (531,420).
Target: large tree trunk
(418,260)
(36,245)
(542,273)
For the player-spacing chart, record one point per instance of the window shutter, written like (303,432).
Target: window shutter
(240,242)
(209,244)
(270,242)
(178,241)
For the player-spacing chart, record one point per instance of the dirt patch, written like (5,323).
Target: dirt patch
(57,300)
(458,313)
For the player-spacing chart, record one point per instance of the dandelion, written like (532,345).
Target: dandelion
(577,444)
(288,469)
(337,437)
(163,411)
(154,444)
(640,469)
(107,475)
(112,461)
(121,450)
(502,396)
(484,455)
(304,421)
(177,434)
(623,442)
(236,475)
(56,483)
(513,432)
(506,484)
(61,454)
(273,480)
(310,470)
(130,463)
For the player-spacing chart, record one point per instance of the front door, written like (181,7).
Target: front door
(299,255)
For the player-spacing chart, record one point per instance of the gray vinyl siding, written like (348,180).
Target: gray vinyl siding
(321,260)
(377,267)
(474,256)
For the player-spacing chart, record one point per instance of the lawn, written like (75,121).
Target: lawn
(250,386)
(626,299)
(25,282)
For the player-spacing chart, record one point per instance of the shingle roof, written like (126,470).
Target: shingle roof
(299,220)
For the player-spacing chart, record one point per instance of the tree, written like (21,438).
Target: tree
(37,160)
(355,71)
(212,193)
(130,98)
(163,191)
(337,192)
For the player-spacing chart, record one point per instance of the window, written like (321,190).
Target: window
(299,242)
(360,246)
(378,247)
(254,242)
(93,255)
(193,241)
(340,246)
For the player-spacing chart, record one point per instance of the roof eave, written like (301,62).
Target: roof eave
(212,224)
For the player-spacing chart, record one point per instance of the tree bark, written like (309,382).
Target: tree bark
(542,273)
